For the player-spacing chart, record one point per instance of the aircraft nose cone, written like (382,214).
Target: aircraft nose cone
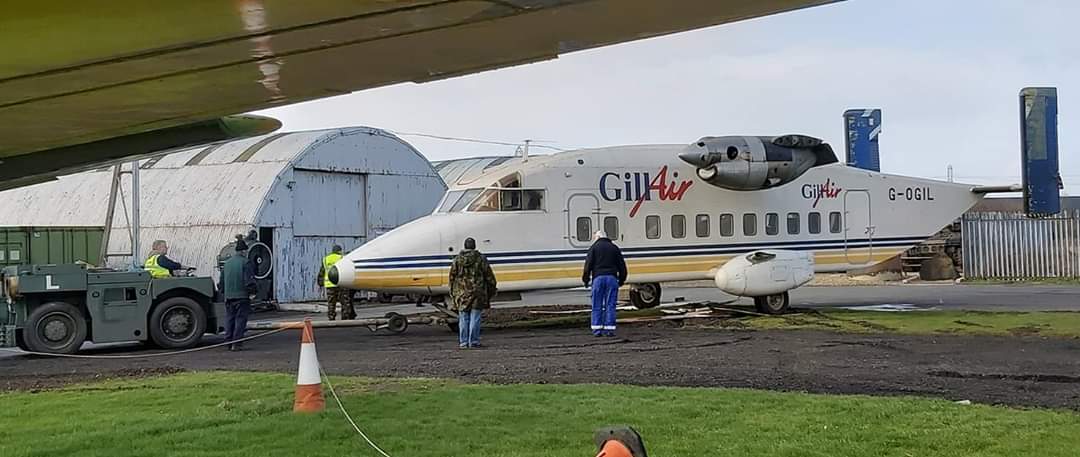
(343,274)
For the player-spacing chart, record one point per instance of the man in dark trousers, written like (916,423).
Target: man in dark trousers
(606,268)
(237,285)
(472,285)
(335,294)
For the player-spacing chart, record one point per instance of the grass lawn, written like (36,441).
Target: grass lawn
(1055,324)
(244,414)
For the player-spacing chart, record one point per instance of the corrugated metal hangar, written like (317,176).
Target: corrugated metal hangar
(301,192)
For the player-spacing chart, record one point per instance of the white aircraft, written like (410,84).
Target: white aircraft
(759,215)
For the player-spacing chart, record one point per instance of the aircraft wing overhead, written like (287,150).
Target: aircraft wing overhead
(81,83)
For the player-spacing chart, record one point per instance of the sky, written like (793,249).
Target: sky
(946,75)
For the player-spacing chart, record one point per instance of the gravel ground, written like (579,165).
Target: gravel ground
(1016,371)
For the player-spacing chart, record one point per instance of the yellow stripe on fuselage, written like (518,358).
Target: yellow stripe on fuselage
(375,279)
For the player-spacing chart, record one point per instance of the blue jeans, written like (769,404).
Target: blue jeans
(236,318)
(605,294)
(469,328)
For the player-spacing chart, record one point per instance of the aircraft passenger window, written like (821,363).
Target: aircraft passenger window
(793,223)
(611,227)
(835,224)
(813,222)
(534,200)
(701,223)
(488,201)
(584,229)
(652,227)
(510,200)
(772,224)
(678,226)
(465,199)
(727,225)
(451,198)
(749,224)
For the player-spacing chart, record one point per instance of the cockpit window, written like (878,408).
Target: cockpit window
(488,201)
(466,198)
(521,200)
(513,180)
(506,195)
(451,198)
(534,199)
(508,200)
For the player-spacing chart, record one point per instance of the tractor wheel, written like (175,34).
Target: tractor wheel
(177,323)
(772,304)
(20,342)
(56,328)
(644,296)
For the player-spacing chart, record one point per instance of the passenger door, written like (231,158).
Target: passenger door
(858,227)
(582,219)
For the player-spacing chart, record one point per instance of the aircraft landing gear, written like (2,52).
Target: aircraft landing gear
(644,296)
(451,322)
(772,304)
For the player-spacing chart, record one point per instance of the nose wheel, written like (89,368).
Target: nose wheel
(644,296)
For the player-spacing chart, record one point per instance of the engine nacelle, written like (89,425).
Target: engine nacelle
(755,162)
(763,273)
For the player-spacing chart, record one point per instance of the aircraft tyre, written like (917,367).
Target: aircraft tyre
(644,296)
(397,323)
(772,304)
(55,328)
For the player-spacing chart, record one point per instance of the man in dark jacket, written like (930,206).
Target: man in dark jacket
(472,285)
(606,268)
(237,285)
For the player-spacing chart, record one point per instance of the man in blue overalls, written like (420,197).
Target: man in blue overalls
(606,269)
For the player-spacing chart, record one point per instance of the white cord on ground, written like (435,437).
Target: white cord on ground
(348,416)
(148,356)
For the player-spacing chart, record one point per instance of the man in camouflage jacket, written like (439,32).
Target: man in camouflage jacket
(472,285)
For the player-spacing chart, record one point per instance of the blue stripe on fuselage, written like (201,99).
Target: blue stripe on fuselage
(503,258)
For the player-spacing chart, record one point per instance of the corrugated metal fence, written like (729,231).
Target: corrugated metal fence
(1014,246)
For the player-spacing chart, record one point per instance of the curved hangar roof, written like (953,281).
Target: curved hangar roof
(221,184)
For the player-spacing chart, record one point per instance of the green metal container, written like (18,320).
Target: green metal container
(50,245)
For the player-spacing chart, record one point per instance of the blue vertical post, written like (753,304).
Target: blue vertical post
(862,128)
(1039,151)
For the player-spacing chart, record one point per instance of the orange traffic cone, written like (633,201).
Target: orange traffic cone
(309,397)
(613,448)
